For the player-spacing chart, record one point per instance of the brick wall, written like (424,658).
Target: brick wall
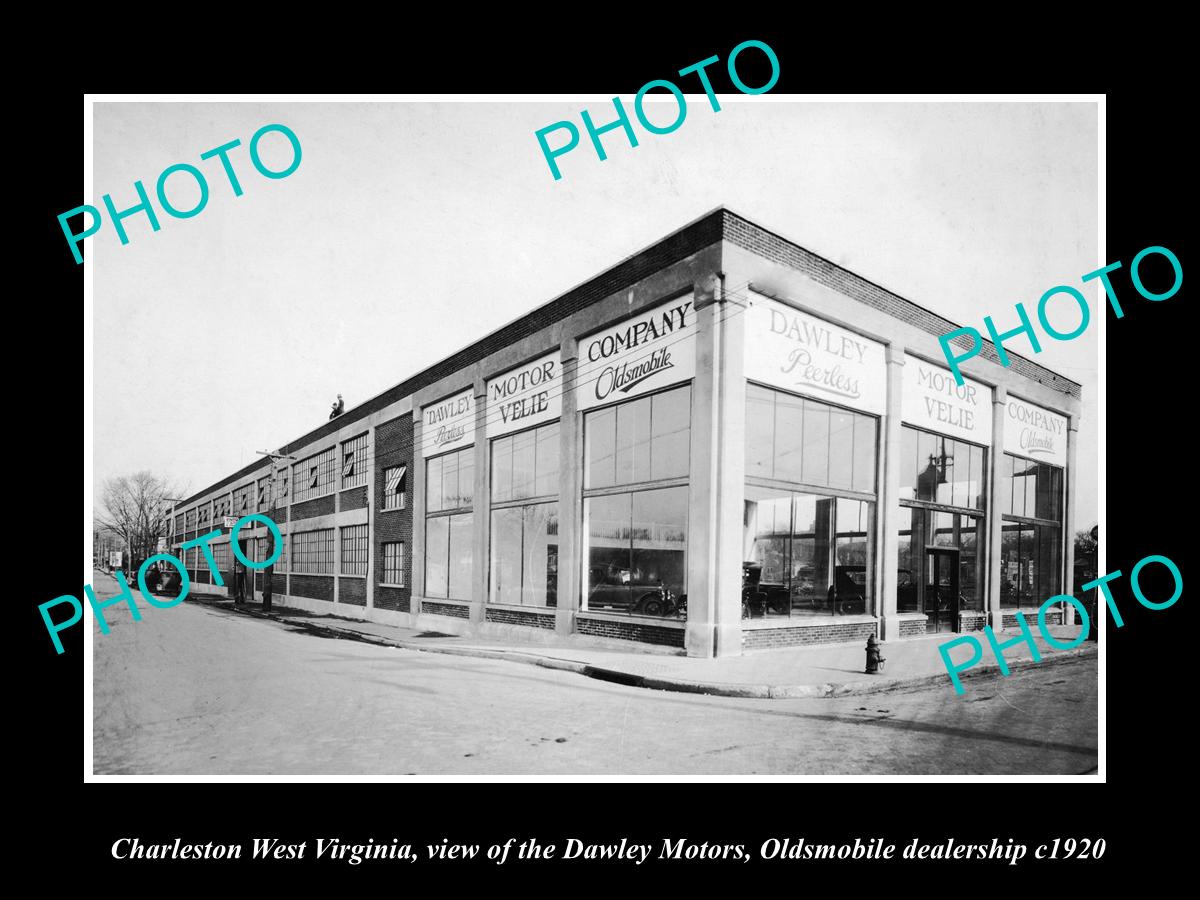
(630,631)
(355,498)
(1053,617)
(791,636)
(352,590)
(973,620)
(319,506)
(912,627)
(444,609)
(391,598)
(315,587)
(520,617)
(393,447)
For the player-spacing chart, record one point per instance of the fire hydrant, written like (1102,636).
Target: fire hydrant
(874,660)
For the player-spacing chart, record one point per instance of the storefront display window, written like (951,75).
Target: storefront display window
(636,538)
(807,552)
(1031,537)
(939,570)
(524,526)
(449,494)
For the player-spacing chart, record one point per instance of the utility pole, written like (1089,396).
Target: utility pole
(269,571)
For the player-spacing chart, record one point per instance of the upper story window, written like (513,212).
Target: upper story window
(395,486)
(354,461)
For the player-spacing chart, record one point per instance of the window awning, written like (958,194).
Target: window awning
(395,476)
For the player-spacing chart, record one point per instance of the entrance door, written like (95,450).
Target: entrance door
(941,590)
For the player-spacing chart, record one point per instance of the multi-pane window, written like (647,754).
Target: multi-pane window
(938,469)
(312,552)
(189,523)
(281,487)
(638,441)
(808,554)
(525,464)
(202,520)
(524,532)
(804,441)
(636,539)
(264,494)
(354,462)
(1030,495)
(243,497)
(314,476)
(450,493)
(450,481)
(179,524)
(393,564)
(222,556)
(395,485)
(354,550)
(808,509)
(943,494)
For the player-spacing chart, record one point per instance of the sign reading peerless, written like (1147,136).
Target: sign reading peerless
(651,350)
(448,424)
(788,349)
(1035,432)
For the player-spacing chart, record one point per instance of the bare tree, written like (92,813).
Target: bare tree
(137,508)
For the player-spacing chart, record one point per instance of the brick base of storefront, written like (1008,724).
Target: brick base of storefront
(1053,617)
(817,633)
(520,617)
(626,630)
(446,609)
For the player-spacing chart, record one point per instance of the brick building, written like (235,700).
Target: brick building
(723,442)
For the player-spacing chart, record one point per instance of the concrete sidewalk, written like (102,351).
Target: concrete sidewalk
(822,671)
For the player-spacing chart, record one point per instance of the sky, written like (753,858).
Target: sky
(411,229)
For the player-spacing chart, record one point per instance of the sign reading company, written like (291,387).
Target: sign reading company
(932,400)
(788,349)
(651,350)
(525,396)
(1035,432)
(448,424)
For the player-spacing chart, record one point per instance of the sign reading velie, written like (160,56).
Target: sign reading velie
(653,349)
(525,396)
(126,596)
(932,400)
(788,349)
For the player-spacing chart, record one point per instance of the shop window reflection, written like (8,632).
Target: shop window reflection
(806,555)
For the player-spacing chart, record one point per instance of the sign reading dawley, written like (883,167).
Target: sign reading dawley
(448,424)
(789,349)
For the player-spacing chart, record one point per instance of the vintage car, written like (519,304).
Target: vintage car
(617,588)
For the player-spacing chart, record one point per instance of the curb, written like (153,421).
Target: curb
(659,683)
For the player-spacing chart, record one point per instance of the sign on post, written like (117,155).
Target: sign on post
(230,521)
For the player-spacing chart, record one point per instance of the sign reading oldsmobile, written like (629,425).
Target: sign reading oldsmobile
(651,350)
(932,400)
(1035,432)
(448,424)
(525,396)
(788,349)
